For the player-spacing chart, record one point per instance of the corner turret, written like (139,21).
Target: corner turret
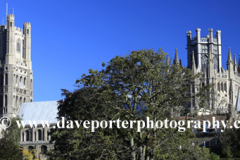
(176,61)
(210,32)
(10,21)
(198,32)
(27,42)
(229,61)
(167,61)
(235,63)
(230,64)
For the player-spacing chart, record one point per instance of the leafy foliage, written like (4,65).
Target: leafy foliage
(29,154)
(12,133)
(10,143)
(133,87)
(9,150)
(230,143)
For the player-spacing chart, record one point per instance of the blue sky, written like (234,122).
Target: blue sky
(69,37)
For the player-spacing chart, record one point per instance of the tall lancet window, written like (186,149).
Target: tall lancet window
(225,87)
(6,101)
(222,87)
(218,86)
(19,45)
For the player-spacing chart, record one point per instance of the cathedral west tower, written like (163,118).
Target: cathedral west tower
(16,79)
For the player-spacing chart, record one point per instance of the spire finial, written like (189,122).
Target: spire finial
(176,57)
(167,61)
(235,60)
(229,56)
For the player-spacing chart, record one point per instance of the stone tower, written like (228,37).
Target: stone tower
(205,56)
(201,46)
(16,79)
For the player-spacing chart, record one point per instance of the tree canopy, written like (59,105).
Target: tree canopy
(229,141)
(10,143)
(134,87)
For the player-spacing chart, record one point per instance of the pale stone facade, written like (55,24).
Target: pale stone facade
(38,139)
(16,79)
(16,83)
(205,56)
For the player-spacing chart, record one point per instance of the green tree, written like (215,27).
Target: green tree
(29,154)
(214,156)
(140,85)
(229,141)
(9,150)
(12,133)
(10,143)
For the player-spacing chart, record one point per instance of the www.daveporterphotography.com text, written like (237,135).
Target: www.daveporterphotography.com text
(181,125)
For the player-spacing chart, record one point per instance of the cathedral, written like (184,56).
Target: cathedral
(16,88)
(204,55)
(16,77)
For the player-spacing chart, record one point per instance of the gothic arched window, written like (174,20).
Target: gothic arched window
(16,79)
(44,149)
(39,135)
(6,101)
(24,82)
(218,86)
(22,136)
(225,87)
(27,135)
(19,45)
(222,87)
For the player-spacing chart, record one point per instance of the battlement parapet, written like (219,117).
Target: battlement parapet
(26,24)
(19,29)
(204,39)
(10,17)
